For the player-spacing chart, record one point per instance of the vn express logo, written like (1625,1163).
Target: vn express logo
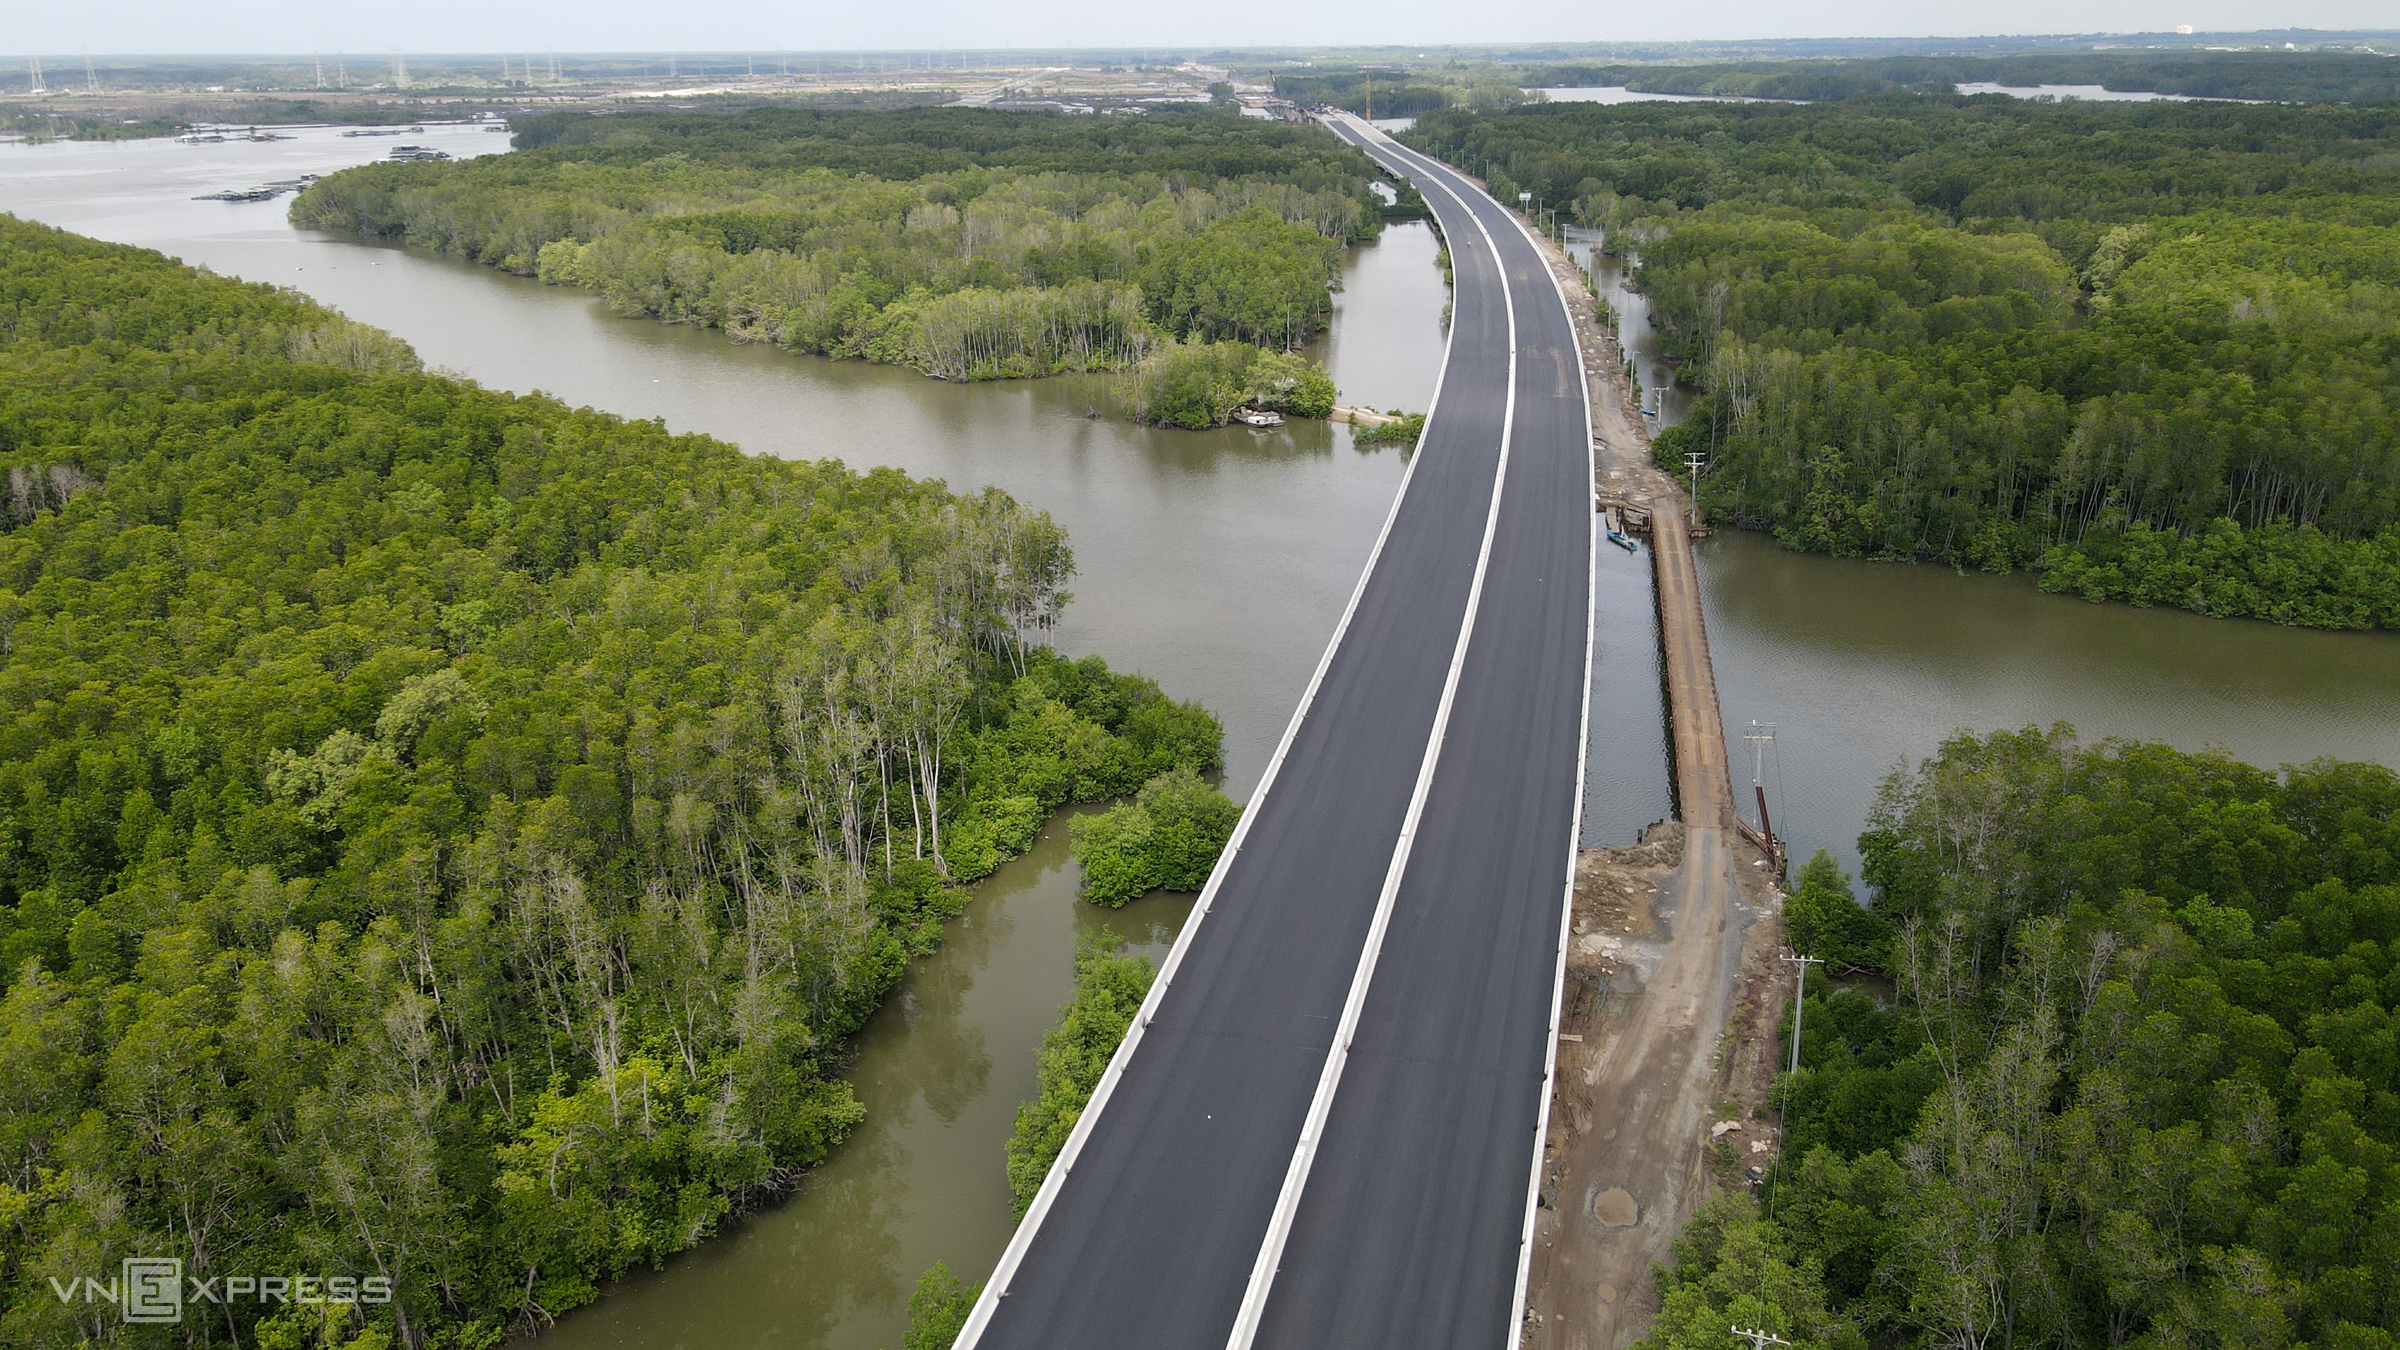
(154,1289)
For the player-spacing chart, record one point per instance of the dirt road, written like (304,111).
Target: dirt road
(1637,1096)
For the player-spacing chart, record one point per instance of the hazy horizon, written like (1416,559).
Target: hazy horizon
(288,28)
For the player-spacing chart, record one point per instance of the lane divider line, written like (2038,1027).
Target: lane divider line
(1013,1256)
(1337,1056)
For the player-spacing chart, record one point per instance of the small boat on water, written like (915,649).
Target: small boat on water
(1624,543)
(415,154)
(1253,417)
(264,192)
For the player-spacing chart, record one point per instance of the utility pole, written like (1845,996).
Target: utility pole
(1761,735)
(1759,1340)
(1799,992)
(1693,460)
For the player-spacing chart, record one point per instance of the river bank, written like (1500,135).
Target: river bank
(1219,561)
(1628,1155)
(1677,939)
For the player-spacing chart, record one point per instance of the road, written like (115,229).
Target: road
(1322,1130)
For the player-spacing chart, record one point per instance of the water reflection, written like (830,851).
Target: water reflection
(1218,562)
(941,1069)
(1867,666)
(1612,274)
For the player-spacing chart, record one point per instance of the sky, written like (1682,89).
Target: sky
(130,27)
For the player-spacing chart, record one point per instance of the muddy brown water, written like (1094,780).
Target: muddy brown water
(1218,562)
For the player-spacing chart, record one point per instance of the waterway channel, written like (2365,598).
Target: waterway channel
(1218,562)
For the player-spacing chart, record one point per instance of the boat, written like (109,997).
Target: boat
(1253,417)
(264,192)
(1624,543)
(414,154)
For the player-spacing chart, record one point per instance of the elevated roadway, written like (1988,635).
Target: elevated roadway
(1323,1128)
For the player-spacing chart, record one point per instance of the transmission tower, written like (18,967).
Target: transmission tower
(399,71)
(34,63)
(91,77)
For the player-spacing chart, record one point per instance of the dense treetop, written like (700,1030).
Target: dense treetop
(969,243)
(2152,349)
(923,142)
(2128,1077)
(446,836)
(2286,77)
(2290,77)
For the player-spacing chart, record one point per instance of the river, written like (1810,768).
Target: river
(1218,562)
(1862,667)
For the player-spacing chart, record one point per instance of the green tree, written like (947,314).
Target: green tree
(1826,920)
(938,1308)
(1109,989)
(1939,328)
(464,849)
(1168,837)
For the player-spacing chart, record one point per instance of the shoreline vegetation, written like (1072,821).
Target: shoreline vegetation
(1109,988)
(2150,351)
(2269,76)
(1397,428)
(449,835)
(1186,246)
(2121,1071)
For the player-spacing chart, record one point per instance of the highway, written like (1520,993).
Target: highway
(1322,1130)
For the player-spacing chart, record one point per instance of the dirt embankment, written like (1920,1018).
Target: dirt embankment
(1640,1128)
(1673,987)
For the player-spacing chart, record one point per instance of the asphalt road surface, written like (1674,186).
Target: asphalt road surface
(1246,1175)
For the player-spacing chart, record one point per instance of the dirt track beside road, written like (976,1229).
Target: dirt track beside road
(1673,986)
